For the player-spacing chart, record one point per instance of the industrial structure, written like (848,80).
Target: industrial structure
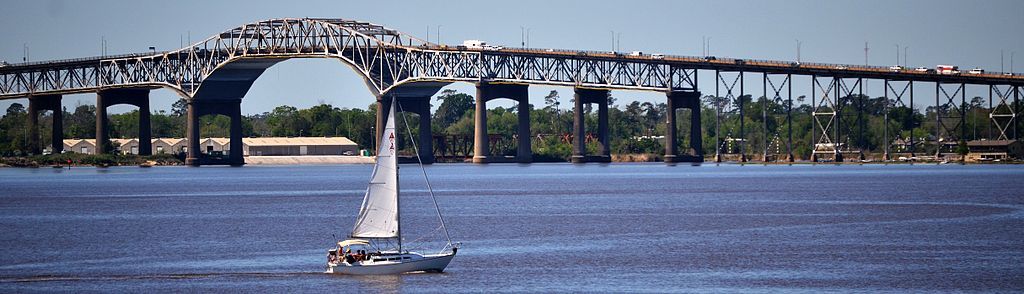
(215,74)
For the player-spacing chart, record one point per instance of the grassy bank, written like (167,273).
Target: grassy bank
(78,159)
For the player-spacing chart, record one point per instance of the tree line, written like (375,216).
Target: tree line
(635,128)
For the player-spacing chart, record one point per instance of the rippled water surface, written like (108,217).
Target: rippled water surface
(542,227)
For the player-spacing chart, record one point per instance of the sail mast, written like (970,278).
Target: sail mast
(398,193)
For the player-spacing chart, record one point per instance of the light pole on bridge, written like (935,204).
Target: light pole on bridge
(897,54)
(798,50)
(438,34)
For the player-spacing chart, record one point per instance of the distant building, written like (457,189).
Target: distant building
(214,146)
(269,146)
(126,146)
(988,150)
(170,145)
(84,146)
(280,146)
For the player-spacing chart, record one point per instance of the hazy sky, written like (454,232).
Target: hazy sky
(966,33)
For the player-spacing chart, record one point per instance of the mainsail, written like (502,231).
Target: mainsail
(378,216)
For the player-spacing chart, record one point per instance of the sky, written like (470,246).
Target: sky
(965,33)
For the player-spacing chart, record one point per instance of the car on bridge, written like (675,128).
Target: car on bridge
(976,71)
(896,68)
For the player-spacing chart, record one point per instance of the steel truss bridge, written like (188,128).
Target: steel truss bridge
(215,74)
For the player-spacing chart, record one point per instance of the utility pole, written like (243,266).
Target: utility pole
(438,37)
(905,61)
(522,36)
(24,48)
(613,41)
(898,55)
(798,43)
(618,41)
(865,53)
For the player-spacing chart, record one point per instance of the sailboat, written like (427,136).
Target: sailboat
(375,245)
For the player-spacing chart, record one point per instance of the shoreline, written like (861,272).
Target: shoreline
(138,161)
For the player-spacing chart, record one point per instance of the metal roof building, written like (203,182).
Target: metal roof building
(284,146)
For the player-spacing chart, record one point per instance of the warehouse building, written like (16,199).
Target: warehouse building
(281,146)
(270,146)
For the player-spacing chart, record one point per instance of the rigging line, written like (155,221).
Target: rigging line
(424,170)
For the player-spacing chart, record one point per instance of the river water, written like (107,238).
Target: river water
(536,228)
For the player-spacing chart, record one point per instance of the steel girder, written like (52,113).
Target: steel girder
(827,134)
(385,58)
(772,137)
(730,105)
(950,118)
(1003,115)
(898,93)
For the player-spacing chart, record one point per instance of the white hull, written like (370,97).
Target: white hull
(415,263)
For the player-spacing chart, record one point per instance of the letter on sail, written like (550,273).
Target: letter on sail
(378,216)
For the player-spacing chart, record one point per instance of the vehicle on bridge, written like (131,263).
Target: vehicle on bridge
(976,71)
(480,45)
(947,69)
(896,68)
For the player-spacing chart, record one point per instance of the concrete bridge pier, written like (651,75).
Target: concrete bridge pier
(231,108)
(579,131)
(37,104)
(695,153)
(489,91)
(421,107)
(111,97)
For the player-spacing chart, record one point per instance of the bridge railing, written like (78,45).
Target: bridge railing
(731,60)
(85,59)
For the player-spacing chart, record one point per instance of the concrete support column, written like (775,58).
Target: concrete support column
(383,106)
(426,141)
(57,131)
(145,128)
(579,147)
(524,153)
(234,110)
(192,135)
(671,149)
(136,97)
(103,145)
(585,96)
(696,137)
(602,130)
(486,91)
(481,150)
(695,152)
(33,128)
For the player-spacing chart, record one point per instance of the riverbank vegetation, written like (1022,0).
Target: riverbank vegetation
(635,127)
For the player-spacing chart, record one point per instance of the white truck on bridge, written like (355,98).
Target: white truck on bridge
(947,69)
(481,45)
